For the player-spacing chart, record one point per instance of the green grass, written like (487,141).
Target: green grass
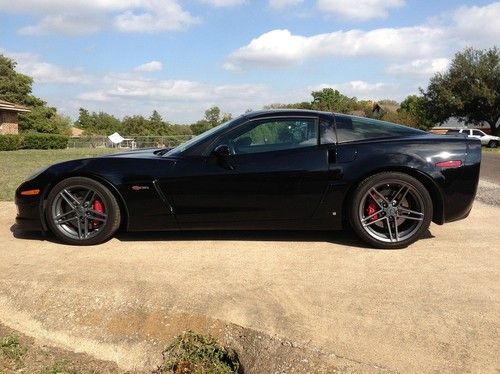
(11,350)
(494,150)
(16,166)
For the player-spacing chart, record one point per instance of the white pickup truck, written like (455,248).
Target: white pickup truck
(488,140)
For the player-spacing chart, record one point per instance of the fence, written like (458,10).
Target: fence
(129,142)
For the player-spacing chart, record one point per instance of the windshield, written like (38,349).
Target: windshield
(197,139)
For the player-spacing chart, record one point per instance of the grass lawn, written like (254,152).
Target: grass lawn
(16,166)
(493,150)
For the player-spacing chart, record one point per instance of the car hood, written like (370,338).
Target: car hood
(137,153)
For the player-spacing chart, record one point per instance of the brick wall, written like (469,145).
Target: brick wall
(8,122)
(9,128)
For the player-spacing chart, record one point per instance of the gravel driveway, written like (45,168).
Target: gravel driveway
(434,307)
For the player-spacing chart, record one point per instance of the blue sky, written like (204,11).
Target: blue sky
(180,57)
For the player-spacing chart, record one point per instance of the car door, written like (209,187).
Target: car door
(275,172)
(475,134)
(479,135)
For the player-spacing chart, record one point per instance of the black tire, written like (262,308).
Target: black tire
(75,211)
(493,144)
(382,230)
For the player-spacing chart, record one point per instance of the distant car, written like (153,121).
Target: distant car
(267,170)
(487,140)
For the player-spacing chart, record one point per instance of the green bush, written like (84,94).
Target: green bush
(45,141)
(10,142)
(198,354)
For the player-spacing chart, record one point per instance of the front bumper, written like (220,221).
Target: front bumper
(29,216)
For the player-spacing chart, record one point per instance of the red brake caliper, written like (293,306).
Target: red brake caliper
(370,209)
(98,206)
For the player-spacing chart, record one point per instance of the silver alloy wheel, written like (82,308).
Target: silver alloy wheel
(391,211)
(73,213)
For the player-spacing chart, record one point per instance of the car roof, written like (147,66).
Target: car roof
(280,112)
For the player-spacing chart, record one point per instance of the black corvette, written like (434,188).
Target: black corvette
(280,169)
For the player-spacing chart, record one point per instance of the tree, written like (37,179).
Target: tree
(44,119)
(16,87)
(301,105)
(469,90)
(97,123)
(331,100)
(156,124)
(212,118)
(136,125)
(414,106)
(402,117)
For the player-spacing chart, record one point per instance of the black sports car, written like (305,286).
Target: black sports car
(280,169)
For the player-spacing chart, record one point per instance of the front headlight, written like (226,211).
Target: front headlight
(36,173)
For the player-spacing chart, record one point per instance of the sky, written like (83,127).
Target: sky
(180,57)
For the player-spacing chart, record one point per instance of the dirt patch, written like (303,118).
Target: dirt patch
(153,331)
(293,302)
(23,354)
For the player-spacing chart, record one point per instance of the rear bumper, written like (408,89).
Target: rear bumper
(461,185)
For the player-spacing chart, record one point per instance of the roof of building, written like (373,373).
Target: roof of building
(76,132)
(7,105)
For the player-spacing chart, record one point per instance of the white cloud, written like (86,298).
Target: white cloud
(281,4)
(360,10)
(119,86)
(180,100)
(84,17)
(477,26)
(67,25)
(157,16)
(424,67)
(47,73)
(416,47)
(65,6)
(149,66)
(223,3)
(280,48)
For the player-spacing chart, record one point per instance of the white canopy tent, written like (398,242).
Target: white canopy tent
(117,140)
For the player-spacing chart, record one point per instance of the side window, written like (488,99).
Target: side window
(327,132)
(357,128)
(477,133)
(274,135)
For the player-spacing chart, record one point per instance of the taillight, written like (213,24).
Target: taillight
(449,164)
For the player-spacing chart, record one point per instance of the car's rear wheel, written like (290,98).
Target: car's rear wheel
(81,211)
(390,210)
(493,144)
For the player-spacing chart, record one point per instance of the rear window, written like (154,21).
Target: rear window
(357,128)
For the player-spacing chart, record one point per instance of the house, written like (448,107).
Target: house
(459,123)
(76,132)
(384,107)
(8,117)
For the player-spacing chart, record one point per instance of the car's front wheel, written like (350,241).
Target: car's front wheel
(81,211)
(493,144)
(390,210)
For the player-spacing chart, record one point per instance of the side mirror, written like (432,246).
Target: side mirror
(222,151)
